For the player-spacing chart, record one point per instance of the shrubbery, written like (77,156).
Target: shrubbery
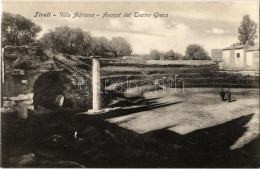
(196,52)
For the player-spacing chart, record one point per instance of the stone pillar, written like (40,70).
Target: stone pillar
(96,84)
(2,72)
(3,67)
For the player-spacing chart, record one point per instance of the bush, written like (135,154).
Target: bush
(171,55)
(196,52)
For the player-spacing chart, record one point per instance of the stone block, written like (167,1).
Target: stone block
(24,81)
(59,100)
(28,102)
(8,110)
(22,110)
(22,97)
(8,104)
(30,107)
(17,72)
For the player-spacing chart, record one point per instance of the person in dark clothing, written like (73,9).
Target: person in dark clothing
(222,94)
(228,92)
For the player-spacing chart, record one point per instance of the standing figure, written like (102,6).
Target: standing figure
(229,94)
(222,94)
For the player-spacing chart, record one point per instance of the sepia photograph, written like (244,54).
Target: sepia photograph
(130,84)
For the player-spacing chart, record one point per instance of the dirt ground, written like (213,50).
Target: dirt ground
(192,129)
(193,109)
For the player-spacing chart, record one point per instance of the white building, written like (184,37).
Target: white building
(252,57)
(241,57)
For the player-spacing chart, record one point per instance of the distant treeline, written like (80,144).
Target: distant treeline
(18,30)
(75,41)
(193,52)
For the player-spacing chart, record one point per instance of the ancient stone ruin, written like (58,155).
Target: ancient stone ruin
(37,78)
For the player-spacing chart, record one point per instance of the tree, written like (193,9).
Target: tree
(17,30)
(100,45)
(196,52)
(236,44)
(68,40)
(86,42)
(171,55)
(120,47)
(247,31)
(156,55)
(76,41)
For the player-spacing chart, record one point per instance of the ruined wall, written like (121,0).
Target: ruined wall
(30,69)
(22,66)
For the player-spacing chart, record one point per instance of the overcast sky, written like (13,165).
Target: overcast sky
(211,24)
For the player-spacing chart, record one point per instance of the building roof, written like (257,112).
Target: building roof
(234,47)
(247,47)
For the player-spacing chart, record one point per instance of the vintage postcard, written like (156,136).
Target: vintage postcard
(130,84)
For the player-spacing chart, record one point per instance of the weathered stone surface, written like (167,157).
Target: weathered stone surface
(8,104)
(22,161)
(51,84)
(8,110)
(30,107)
(62,164)
(17,72)
(59,100)
(28,102)
(22,97)
(35,61)
(138,91)
(22,111)
(106,110)
(24,81)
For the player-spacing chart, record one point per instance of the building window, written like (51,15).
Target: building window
(238,55)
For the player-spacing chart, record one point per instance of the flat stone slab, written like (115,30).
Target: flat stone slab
(21,97)
(106,110)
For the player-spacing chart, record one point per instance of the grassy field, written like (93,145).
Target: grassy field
(193,76)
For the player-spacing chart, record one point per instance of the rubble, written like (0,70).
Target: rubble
(8,109)
(22,103)
(17,72)
(8,104)
(21,97)
(63,164)
(22,161)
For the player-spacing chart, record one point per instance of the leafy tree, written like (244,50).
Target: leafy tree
(100,45)
(236,44)
(247,31)
(76,41)
(17,30)
(171,55)
(196,52)
(120,47)
(144,56)
(68,40)
(104,43)
(86,42)
(156,55)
